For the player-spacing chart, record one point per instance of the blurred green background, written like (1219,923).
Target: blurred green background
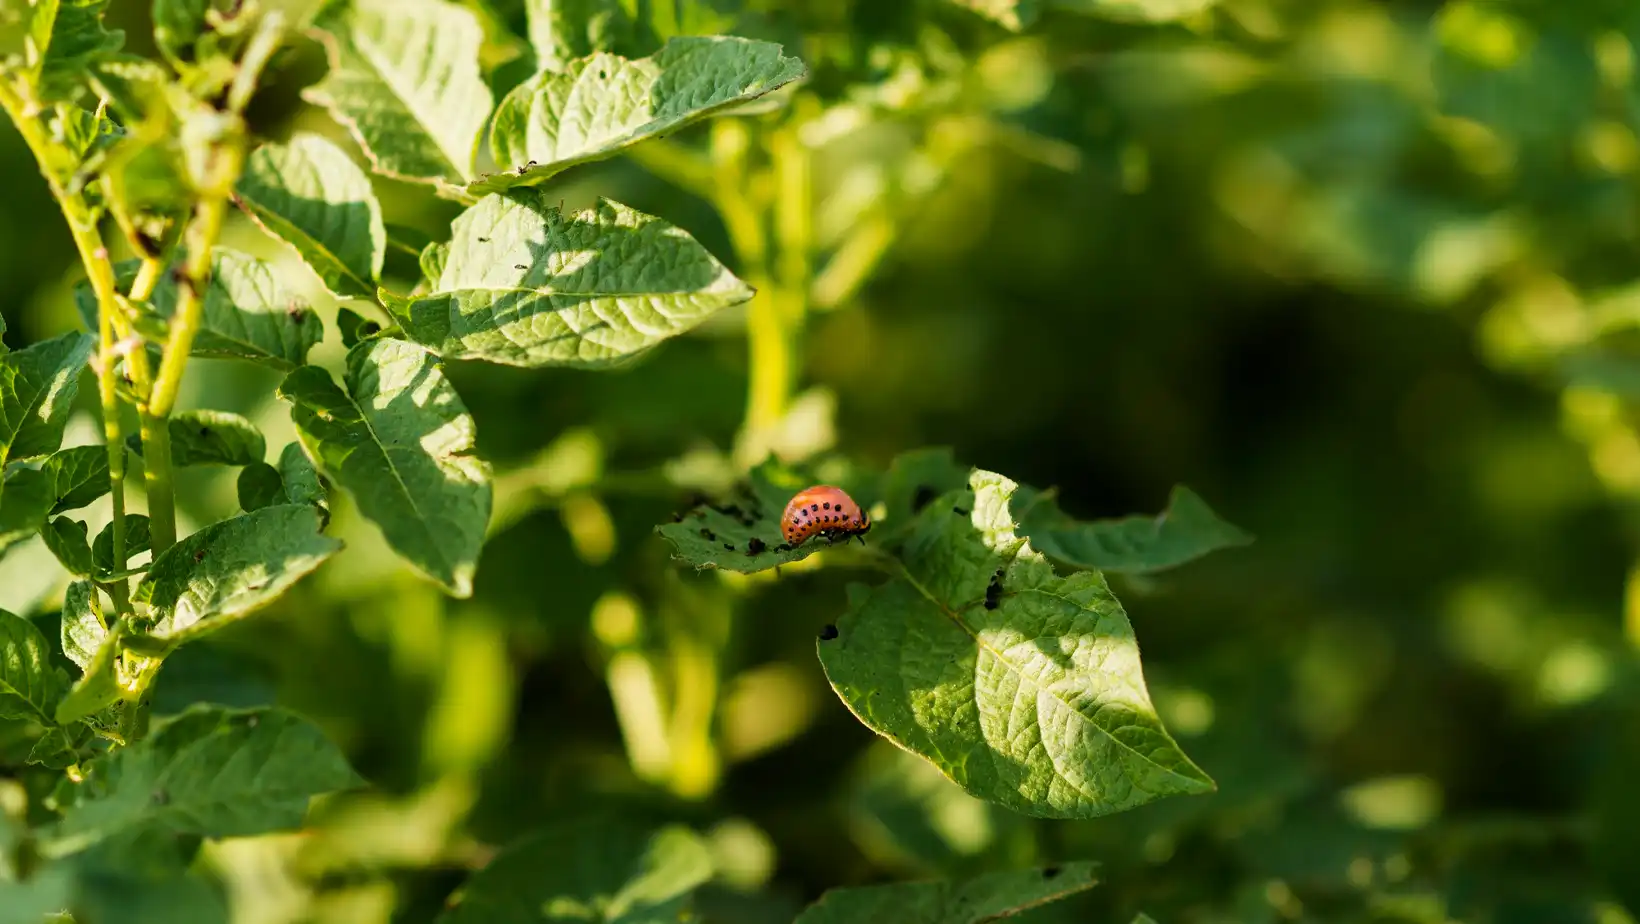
(1364,275)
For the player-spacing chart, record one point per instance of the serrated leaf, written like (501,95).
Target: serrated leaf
(401,441)
(609,872)
(229,569)
(743,534)
(136,542)
(1028,693)
(310,194)
(207,771)
(259,486)
(603,103)
(28,685)
(404,80)
(1186,530)
(526,285)
(77,40)
(83,628)
(26,498)
(986,898)
(206,437)
(79,475)
(1014,14)
(247,314)
(563,30)
(38,385)
(301,479)
(70,541)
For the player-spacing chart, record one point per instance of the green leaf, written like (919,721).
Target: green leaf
(248,313)
(26,498)
(260,486)
(207,771)
(98,687)
(310,194)
(1014,14)
(600,104)
(136,542)
(302,482)
(563,30)
(1142,918)
(229,569)
(177,24)
(38,385)
(611,872)
(1134,10)
(743,534)
(70,541)
(76,40)
(191,898)
(404,79)
(401,441)
(28,685)
(79,475)
(205,437)
(37,898)
(83,628)
(355,327)
(527,286)
(1187,530)
(1023,687)
(59,748)
(986,898)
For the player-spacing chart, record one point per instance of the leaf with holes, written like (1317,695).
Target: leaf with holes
(312,196)
(207,771)
(1187,530)
(400,440)
(229,569)
(526,285)
(989,897)
(28,683)
(598,105)
(1023,687)
(37,388)
(204,437)
(629,874)
(404,79)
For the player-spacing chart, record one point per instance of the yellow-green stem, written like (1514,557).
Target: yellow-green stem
(769,360)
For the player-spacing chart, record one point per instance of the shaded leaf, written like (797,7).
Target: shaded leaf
(229,569)
(1186,530)
(83,628)
(597,105)
(98,687)
(248,313)
(77,39)
(205,437)
(310,194)
(404,80)
(207,771)
(79,475)
(136,542)
(301,479)
(33,900)
(355,327)
(259,486)
(612,872)
(70,541)
(401,441)
(37,388)
(563,30)
(1023,687)
(986,898)
(28,685)
(525,285)
(26,498)
(59,748)
(190,898)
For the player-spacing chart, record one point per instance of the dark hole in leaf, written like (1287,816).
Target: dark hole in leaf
(922,498)
(1050,872)
(483,240)
(755,546)
(729,545)
(959,511)
(828,633)
(708,535)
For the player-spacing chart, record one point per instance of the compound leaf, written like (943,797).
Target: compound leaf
(1186,530)
(595,106)
(310,194)
(1023,687)
(208,771)
(229,569)
(610,872)
(526,285)
(404,79)
(986,898)
(401,441)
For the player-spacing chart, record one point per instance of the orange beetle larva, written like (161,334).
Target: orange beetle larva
(822,510)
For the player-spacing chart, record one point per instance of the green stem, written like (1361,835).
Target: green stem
(769,361)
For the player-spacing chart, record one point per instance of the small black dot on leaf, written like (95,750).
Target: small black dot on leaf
(729,545)
(483,240)
(1050,872)
(755,546)
(828,633)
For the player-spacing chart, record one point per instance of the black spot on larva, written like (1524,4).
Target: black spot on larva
(828,633)
(922,498)
(1050,872)
(729,545)
(827,505)
(959,511)
(815,509)
(755,546)
(708,535)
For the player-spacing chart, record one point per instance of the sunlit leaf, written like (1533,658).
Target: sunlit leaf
(400,440)
(208,771)
(563,30)
(248,313)
(986,898)
(597,105)
(310,194)
(98,685)
(28,684)
(526,285)
(76,39)
(1023,687)
(229,569)
(611,872)
(404,79)
(206,437)
(83,628)
(1187,530)
(37,388)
